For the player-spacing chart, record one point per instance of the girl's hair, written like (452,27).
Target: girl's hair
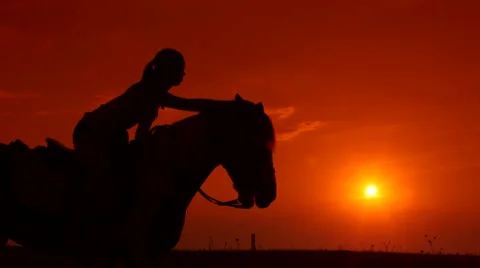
(166,56)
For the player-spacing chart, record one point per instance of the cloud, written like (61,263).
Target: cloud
(280,113)
(283,113)
(302,127)
(5,95)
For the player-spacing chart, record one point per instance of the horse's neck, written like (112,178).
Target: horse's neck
(190,154)
(190,143)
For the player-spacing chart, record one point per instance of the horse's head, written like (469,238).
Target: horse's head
(245,140)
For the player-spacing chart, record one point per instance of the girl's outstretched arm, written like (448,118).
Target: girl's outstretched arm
(193,105)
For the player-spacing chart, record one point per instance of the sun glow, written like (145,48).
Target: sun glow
(371,191)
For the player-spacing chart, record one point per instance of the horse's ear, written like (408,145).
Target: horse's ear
(238,98)
(260,106)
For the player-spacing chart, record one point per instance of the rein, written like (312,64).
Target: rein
(232,203)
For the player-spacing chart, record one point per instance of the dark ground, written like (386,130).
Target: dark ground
(17,257)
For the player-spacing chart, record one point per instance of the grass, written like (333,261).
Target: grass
(19,257)
(231,255)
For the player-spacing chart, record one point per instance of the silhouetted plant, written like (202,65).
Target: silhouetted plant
(237,241)
(386,245)
(210,243)
(430,242)
(253,241)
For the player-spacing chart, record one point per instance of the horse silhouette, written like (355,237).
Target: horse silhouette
(170,168)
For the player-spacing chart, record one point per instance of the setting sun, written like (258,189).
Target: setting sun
(371,191)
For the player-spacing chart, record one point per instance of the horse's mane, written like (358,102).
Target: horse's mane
(248,112)
(175,124)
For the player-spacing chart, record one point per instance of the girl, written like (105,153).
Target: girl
(101,140)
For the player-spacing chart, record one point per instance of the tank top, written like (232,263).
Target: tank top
(125,111)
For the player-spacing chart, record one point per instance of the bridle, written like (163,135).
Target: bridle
(232,203)
(235,203)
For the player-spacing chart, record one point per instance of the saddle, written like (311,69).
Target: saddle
(58,146)
(56,152)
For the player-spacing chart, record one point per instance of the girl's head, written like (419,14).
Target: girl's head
(167,68)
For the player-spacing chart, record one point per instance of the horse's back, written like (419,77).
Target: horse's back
(36,183)
(41,178)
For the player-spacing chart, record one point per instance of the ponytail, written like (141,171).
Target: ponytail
(148,70)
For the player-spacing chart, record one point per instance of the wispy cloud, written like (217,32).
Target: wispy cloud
(20,95)
(280,113)
(302,127)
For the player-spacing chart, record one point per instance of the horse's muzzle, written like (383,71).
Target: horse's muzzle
(265,195)
(263,203)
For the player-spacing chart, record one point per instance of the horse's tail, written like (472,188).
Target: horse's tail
(5,178)
(5,194)
(3,147)
(3,166)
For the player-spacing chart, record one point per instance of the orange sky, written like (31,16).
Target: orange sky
(383,91)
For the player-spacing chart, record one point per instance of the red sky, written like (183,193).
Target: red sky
(383,91)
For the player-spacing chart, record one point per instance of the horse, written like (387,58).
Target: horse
(170,168)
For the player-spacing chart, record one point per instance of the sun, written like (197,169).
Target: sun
(371,191)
